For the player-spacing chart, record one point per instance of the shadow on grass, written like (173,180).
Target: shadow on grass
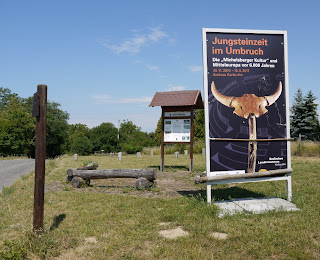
(222,194)
(170,167)
(57,221)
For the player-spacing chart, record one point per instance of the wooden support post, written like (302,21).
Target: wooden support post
(162,142)
(191,142)
(252,146)
(40,112)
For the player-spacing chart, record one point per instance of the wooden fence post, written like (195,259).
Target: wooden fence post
(40,112)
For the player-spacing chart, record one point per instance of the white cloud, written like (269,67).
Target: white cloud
(195,68)
(132,46)
(148,66)
(135,43)
(101,99)
(156,34)
(106,99)
(175,88)
(133,100)
(152,67)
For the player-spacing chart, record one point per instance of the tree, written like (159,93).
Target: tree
(132,139)
(157,133)
(104,137)
(57,127)
(199,126)
(74,130)
(5,96)
(304,117)
(81,144)
(17,129)
(311,117)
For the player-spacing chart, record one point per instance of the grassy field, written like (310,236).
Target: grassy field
(305,148)
(97,223)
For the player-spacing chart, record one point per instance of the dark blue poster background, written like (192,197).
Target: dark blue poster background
(239,64)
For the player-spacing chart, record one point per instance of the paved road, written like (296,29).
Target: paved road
(11,170)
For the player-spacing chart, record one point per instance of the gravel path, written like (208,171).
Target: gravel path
(11,170)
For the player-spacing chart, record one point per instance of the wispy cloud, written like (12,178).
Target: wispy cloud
(148,66)
(133,100)
(106,99)
(175,88)
(195,68)
(152,67)
(101,99)
(156,34)
(136,42)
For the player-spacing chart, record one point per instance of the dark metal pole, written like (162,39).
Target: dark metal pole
(40,112)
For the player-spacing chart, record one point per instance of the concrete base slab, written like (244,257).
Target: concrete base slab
(254,206)
(228,208)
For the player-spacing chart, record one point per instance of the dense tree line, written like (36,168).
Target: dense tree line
(17,131)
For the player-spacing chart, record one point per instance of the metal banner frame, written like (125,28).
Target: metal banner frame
(209,139)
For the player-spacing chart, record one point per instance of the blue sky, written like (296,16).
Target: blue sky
(104,60)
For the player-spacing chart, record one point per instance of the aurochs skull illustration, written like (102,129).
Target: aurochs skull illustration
(248,103)
(250,107)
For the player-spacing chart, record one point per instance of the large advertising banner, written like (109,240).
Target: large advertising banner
(246,90)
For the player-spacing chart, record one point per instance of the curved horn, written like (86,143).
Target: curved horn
(225,100)
(273,98)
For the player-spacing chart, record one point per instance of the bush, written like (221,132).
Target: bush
(81,145)
(131,149)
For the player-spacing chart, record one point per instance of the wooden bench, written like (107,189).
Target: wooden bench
(145,177)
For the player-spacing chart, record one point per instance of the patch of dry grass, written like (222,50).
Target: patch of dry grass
(305,149)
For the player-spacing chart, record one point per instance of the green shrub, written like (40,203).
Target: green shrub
(81,145)
(131,149)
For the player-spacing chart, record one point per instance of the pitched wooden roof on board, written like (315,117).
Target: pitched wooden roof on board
(178,98)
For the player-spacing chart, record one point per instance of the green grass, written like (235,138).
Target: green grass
(127,226)
(13,157)
(305,148)
(171,149)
